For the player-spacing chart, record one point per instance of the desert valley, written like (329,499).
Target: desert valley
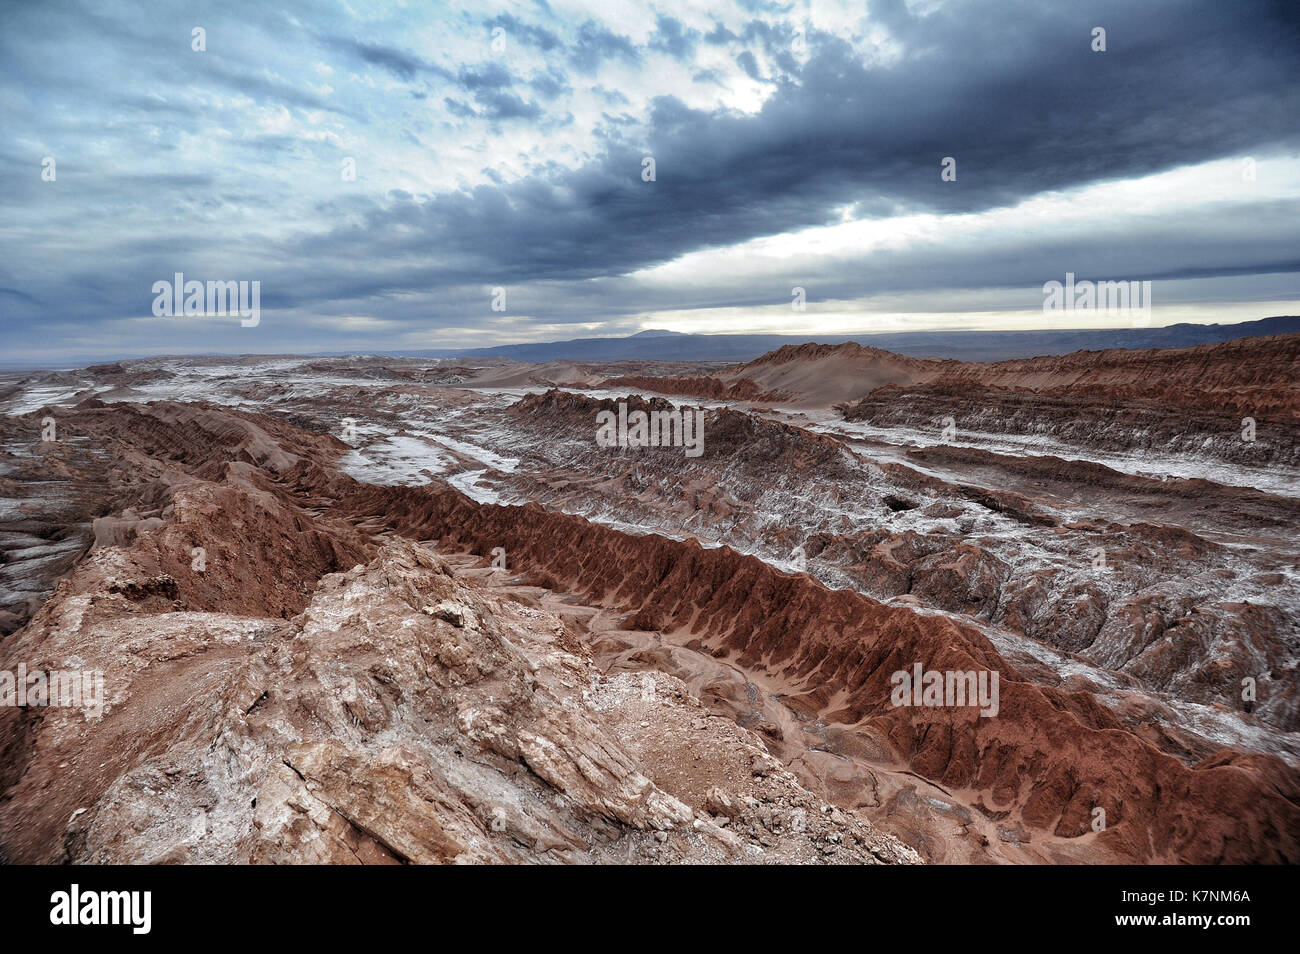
(378,609)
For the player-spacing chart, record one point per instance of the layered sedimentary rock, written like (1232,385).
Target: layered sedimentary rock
(1116,400)
(1248,375)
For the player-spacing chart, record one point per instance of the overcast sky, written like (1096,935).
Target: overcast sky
(503,146)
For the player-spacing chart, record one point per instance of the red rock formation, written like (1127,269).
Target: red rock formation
(1246,376)
(693,385)
(197,656)
(263,709)
(1049,756)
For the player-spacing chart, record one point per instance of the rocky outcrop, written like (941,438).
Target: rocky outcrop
(401,717)
(260,707)
(288,670)
(1023,561)
(1049,756)
(1109,422)
(699,386)
(1253,376)
(1117,400)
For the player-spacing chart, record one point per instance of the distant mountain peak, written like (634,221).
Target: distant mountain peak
(657,344)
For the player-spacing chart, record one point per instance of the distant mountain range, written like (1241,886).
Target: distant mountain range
(966,345)
(659,345)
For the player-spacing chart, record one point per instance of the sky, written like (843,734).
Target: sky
(416,175)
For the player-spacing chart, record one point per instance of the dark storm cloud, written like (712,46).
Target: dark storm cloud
(720,35)
(550,84)
(775,41)
(485,76)
(490,84)
(1012,91)
(674,39)
(747,62)
(1020,101)
(500,105)
(400,63)
(596,43)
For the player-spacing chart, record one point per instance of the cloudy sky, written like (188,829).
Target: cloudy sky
(503,146)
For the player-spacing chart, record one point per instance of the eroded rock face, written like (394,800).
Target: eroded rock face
(1085,394)
(161,479)
(319,687)
(401,717)
(1049,757)
(1066,559)
(1093,420)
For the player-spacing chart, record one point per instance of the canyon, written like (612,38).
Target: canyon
(405,610)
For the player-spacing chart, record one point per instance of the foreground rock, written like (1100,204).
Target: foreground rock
(403,716)
(1048,760)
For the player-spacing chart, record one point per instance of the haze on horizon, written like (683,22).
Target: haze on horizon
(794,145)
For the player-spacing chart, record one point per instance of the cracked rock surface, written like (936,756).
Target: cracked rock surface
(403,716)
